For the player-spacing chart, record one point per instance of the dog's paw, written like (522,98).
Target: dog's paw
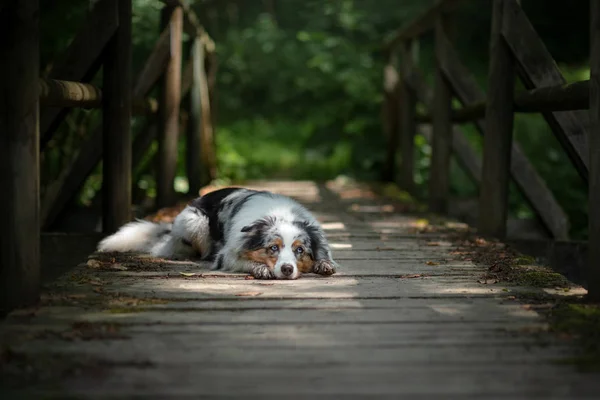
(324,267)
(262,272)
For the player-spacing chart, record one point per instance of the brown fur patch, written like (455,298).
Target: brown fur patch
(264,256)
(305,262)
(261,256)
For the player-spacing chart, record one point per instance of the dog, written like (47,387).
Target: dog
(267,235)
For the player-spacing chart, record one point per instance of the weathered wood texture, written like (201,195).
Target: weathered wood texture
(19,155)
(538,69)
(528,181)
(169,103)
(82,59)
(497,141)
(441,145)
(389,323)
(593,270)
(407,125)
(390,117)
(116,125)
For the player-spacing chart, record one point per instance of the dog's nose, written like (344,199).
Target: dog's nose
(287,269)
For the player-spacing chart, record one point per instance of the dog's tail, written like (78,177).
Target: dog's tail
(138,236)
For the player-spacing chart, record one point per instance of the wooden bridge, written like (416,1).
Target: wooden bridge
(419,307)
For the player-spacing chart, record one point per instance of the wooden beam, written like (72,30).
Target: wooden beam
(55,93)
(523,173)
(19,156)
(497,141)
(194,131)
(421,24)
(441,146)
(116,124)
(593,269)
(390,117)
(537,69)
(208,153)
(169,103)
(466,155)
(82,59)
(407,114)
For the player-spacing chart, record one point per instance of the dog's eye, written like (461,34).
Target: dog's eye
(300,250)
(274,247)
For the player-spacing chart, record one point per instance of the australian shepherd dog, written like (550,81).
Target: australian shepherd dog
(267,235)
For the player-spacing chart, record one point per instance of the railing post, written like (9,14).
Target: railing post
(19,155)
(116,124)
(390,117)
(407,113)
(168,108)
(593,270)
(441,146)
(194,131)
(497,141)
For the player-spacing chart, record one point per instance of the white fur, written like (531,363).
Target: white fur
(137,236)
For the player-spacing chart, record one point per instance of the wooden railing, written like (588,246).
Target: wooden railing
(28,123)
(571,110)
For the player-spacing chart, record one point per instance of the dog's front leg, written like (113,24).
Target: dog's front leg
(325,267)
(259,271)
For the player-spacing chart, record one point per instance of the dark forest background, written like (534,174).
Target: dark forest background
(300,89)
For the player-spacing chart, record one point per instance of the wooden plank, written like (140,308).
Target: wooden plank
(441,145)
(194,131)
(116,125)
(497,141)
(593,269)
(528,181)
(538,69)
(390,117)
(421,24)
(407,124)
(169,103)
(19,156)
(82,59)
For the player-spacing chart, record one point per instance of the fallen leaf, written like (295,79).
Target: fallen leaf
(188,273)
(94,263)
(432,263)
(487,281)
(119,267)
(433,243)
(249,294)
(249,277)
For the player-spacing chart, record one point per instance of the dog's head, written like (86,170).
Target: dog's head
(286,248)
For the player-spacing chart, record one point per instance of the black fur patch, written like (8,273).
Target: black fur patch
(255,233)
(210,204)
(219,263)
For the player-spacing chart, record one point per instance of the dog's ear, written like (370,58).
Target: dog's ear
(259,224)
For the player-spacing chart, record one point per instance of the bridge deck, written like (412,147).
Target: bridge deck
(404,315)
